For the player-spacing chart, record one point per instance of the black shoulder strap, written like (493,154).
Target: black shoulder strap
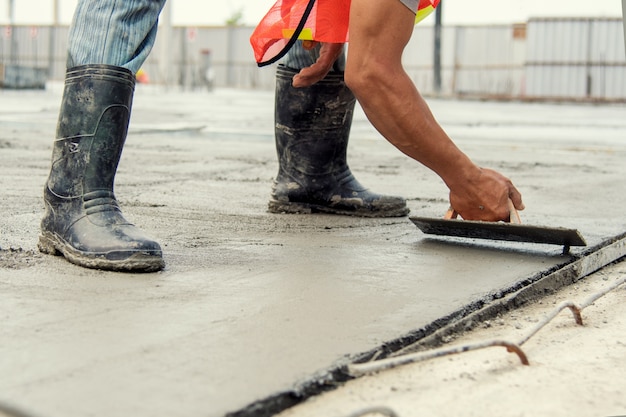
(293,38)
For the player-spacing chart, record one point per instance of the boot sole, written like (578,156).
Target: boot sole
(279,207)
(139,261)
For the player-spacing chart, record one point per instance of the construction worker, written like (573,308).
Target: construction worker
(375,74)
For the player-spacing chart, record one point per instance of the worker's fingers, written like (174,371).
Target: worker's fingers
(451,214)
(329,52)
(513,215)
(309,76)
(490,197)
(516,197)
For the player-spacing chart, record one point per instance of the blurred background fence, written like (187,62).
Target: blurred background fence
(578,59)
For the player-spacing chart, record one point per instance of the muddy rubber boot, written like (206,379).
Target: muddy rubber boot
(83,220)
(312,126)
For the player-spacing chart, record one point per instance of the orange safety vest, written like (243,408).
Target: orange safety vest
(321,21)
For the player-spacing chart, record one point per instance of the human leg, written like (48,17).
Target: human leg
(83,220)
(312,127)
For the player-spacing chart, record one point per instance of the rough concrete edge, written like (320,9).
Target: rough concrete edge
(438,332)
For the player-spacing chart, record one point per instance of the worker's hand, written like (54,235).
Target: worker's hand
(329,52)
(486,197)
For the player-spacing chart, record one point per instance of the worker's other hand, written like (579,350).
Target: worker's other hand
(329,52)
(486,197)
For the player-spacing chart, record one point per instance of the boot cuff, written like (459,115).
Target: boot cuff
(101,72)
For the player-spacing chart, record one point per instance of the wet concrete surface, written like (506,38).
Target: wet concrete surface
(253,304)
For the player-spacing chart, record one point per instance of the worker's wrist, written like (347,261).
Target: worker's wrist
(462,174)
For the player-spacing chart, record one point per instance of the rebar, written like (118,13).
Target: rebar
(359,369)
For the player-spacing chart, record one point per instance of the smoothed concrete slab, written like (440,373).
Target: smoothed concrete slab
(252,304)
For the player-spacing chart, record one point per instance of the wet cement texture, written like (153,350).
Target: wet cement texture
(253,304)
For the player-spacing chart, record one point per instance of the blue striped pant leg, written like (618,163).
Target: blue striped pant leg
(113,32)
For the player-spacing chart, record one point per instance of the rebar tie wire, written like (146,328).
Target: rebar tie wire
(359,369)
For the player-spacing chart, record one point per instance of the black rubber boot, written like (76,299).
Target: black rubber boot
(312,126)
(83,221)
